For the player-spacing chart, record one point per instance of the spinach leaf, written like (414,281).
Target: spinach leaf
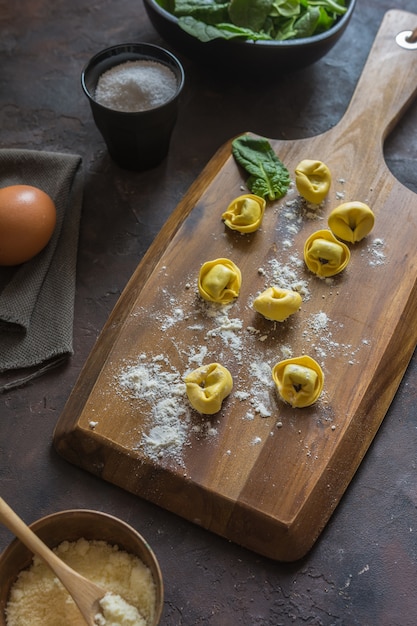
(206,32)
(206,11)
(325,21)
(306,25)
(269,178)
(285,8)
(286,30)
(331,6)
(254,20)
(168,5)
(250,13)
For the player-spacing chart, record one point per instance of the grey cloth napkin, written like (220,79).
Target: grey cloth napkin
(37,297)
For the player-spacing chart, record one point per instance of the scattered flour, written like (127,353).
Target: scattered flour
(318,321)
(176,316)
(319,336)
(376,252)
(219,334)
(288,275)
(261,388)
(226,328)
(196,357)
(297,211)
(164,391)
(161,393)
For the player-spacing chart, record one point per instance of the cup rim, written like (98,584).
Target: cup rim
(112,51)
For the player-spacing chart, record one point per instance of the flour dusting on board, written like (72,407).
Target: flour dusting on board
(154,382)
(164,391)
(376,252)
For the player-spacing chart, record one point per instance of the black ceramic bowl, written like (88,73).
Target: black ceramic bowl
(276,56)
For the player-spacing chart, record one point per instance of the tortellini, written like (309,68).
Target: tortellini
(313,180)
(324,255)
(245,213)
(207,387)
(219,281)
(299,381)
(277,304)
(351,221)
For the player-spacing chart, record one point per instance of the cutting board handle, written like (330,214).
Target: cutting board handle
(388,82)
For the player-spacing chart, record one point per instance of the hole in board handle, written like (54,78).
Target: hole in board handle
(407,39)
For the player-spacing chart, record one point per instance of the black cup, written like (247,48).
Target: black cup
(138,140)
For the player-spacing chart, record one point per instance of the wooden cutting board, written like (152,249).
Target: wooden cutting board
(260,473)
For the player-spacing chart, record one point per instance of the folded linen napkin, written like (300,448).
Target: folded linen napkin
(37,297)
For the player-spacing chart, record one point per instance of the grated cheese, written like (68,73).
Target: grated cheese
(38,598)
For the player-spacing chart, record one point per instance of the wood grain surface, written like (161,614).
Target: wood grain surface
(261,473)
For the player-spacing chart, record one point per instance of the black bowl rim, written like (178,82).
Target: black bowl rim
(288,43)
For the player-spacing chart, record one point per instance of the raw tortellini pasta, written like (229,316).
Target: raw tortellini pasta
(351,221)
(312,179)
(324,254)
(207,387)
(245,213)
(299,381)
(219,281)
(277,304)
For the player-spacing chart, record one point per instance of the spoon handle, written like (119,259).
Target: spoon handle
(18,527)
(84,592)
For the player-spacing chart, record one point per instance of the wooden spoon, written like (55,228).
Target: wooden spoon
(85,593)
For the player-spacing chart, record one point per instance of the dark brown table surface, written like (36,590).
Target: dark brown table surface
(363,569)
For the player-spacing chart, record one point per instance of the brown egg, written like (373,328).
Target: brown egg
(27,221)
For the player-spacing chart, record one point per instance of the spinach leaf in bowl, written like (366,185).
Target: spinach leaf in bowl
(253,20)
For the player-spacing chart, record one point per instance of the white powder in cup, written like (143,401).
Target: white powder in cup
(136,86)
